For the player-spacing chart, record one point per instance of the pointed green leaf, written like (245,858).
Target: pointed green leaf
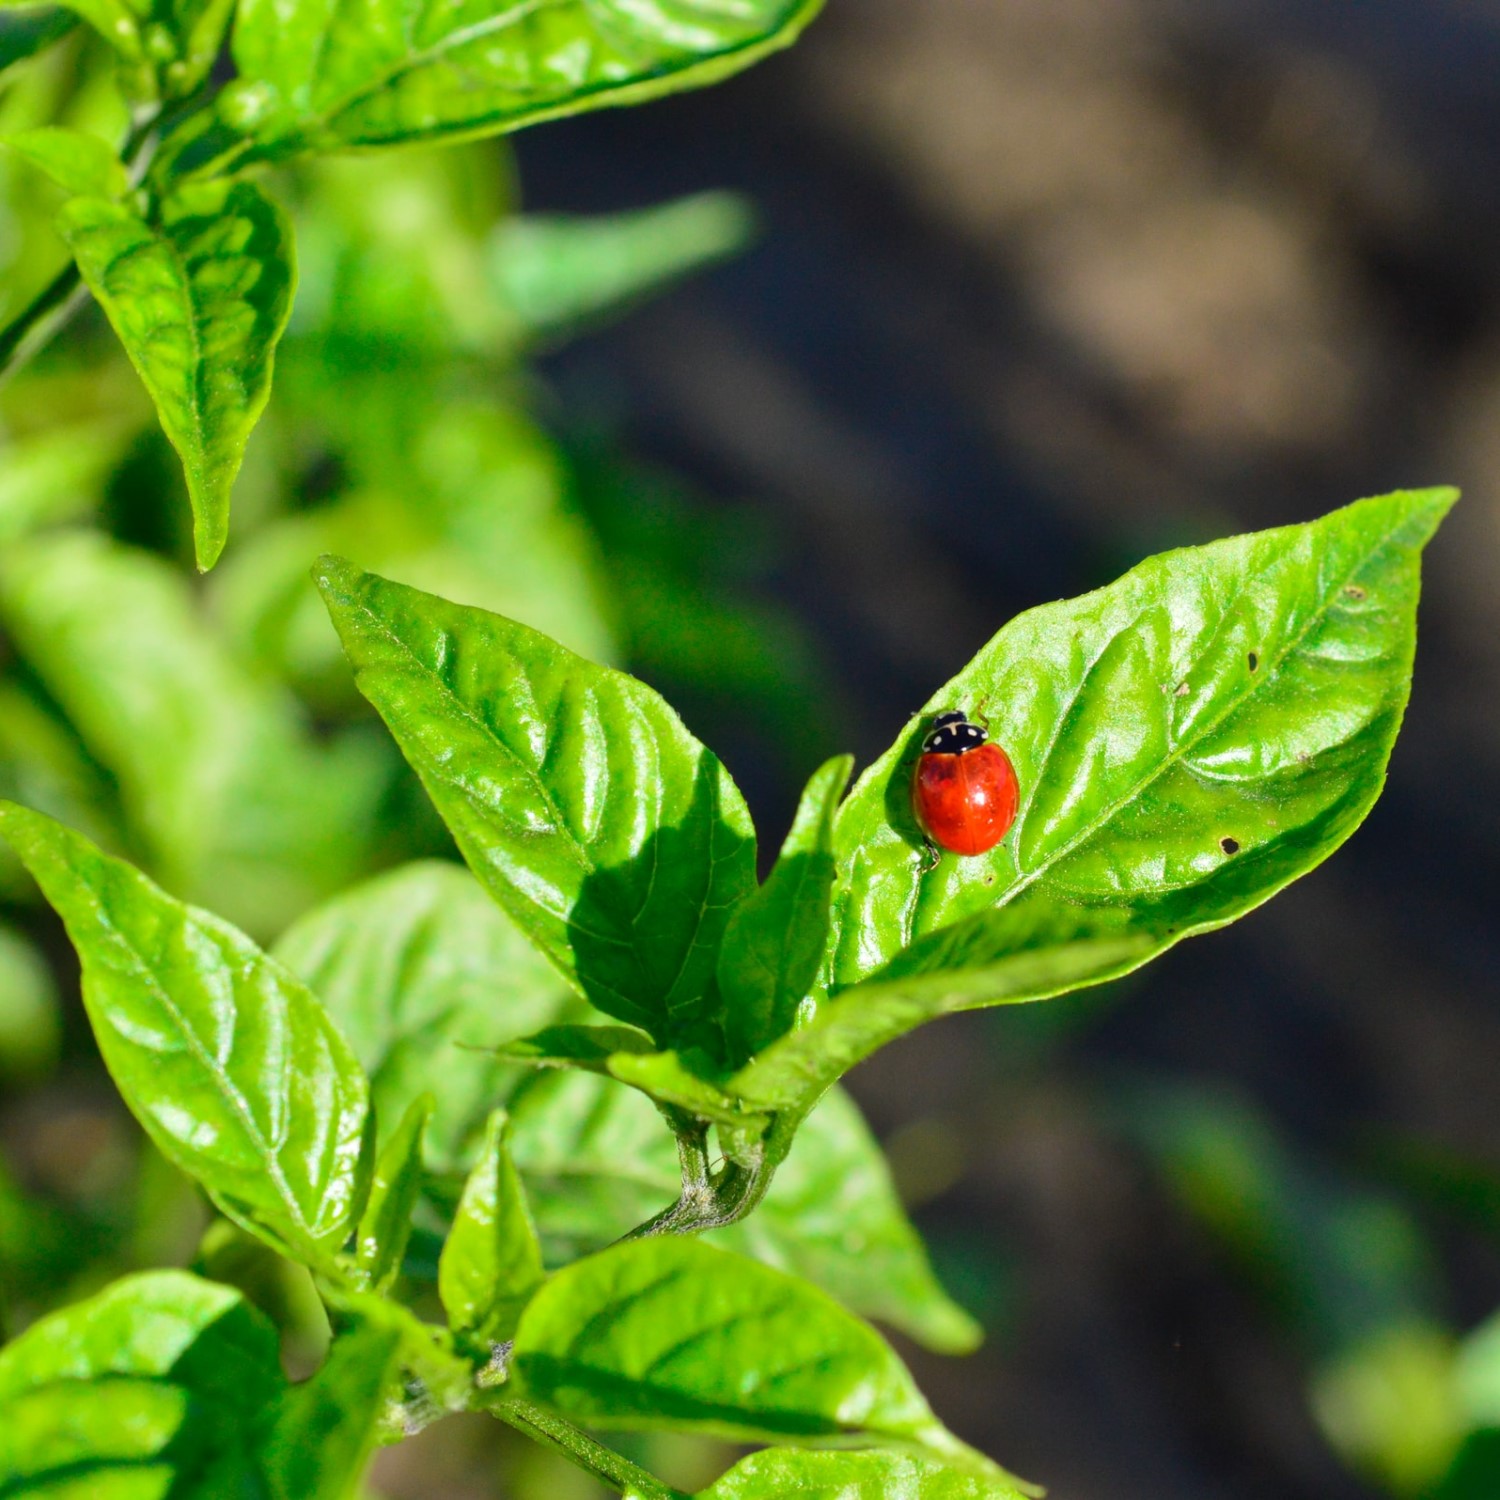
(614,839)
(326,1427)
(492,1263)
(1187,740)
(228,1062)
(672,1333)
(78,162)
(160,1382)
(665,1076)
(419,967)
(199,302)
(995,958)
(774,944)
(589,1047)
(554,272)
(385,1225)
(794,1474)
(319,77)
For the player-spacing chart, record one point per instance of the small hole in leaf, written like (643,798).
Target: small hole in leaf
(1354,592)
(989,880)
(1254,661)
(1229,845)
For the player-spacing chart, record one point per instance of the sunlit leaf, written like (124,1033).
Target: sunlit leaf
(316,77)
(385,1225)
(614,839)
(492,1262)
(670,1332)
(229,1063)
(199,300)
(793,1474)
(161,1382)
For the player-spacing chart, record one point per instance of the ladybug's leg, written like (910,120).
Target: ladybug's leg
(934,857)
(980,717)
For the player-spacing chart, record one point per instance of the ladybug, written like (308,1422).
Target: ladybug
(964,790)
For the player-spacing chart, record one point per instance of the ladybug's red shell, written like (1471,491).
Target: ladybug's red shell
(966,802)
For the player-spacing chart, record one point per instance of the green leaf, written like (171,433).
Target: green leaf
(774,944)
(614,839)
(76,161)
(492,1262)
(199,301)
(227,795)
(554,272)
(385,1224)
(998,957)
(588,1047)
(160,1382)
(412,965)
(793,1474)
(327,1426)
(1188,741)
(598,1160)
(28,30)
(319,78)
(672,1333)
(228,1062)
(58,473)
(664,1076)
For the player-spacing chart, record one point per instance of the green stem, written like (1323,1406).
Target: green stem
(580,1449)
(708,1200)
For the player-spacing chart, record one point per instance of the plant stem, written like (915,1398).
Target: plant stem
(581,1450)
(708,1200)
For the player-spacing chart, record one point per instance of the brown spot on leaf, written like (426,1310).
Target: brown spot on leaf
(1354,592)
(1229,845)
(1254,661)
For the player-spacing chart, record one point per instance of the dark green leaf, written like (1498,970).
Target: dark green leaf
(792,1474)
(160,1382)
(229,1063)
(413,965)
(385,1224)
(327,1426)
(670,1332)
(199,301)
(1188,741)
(319,78)
(775,941)
(614,839)
(492,1262)
(555,272)
(78,162)
(1475,1472)
(30,29)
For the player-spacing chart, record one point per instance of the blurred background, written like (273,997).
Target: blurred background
(786,395)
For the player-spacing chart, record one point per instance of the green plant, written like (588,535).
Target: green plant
(1188,741)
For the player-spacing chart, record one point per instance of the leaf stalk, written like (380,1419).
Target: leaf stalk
(581,1450)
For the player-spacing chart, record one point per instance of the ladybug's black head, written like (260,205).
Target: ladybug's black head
(952,734)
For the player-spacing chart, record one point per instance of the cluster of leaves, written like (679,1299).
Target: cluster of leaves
(1188,740)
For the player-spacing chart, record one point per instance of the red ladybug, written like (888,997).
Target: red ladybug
(964,790)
